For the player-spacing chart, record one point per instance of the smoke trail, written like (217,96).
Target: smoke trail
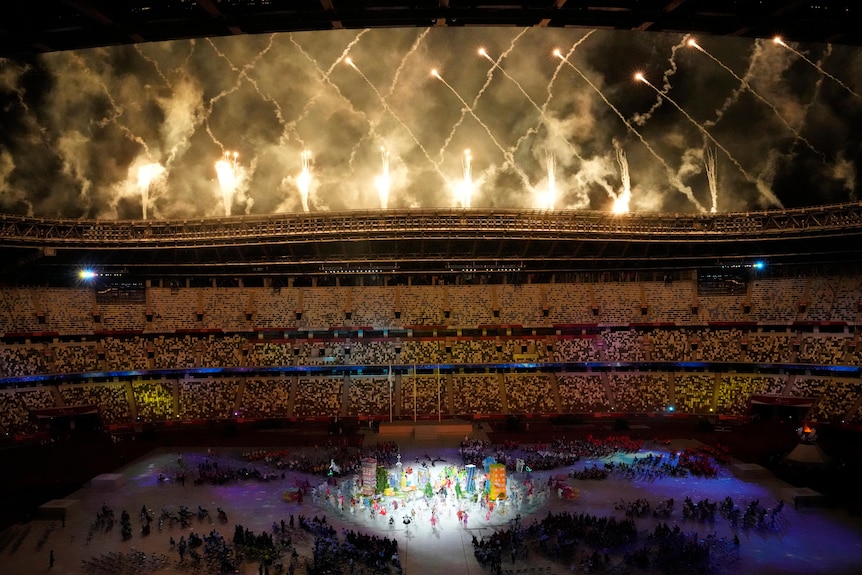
(392,85)
(621,203)
(820,69)
(761,187)
(535,128)
(241,73)
(641,119)
(685,190)
(324,78)
(574,150)
(116,109)
(711,177)
(507,157)
(154,64)
(469,108)
(757,95)
(395,116)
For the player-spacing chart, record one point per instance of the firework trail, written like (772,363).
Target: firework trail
(395,78)
(509,159)
(303,180)
(394,115)
(547,199)
(641,119)
(761,187)
(383,182)
(469,108)
(685,190)
(146,174)
(621,203)
(484,53)
(709,163)
(550,94)
(324,78)
(750,88)
(241,73)
(229,179)
(465,186)
(820,69)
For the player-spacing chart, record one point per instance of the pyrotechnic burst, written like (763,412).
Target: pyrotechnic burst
(383,182)
(711,177)
(464,189)
(303,180)
(621,203)
(146,175)
(547,198)
(75,141)
(228,179)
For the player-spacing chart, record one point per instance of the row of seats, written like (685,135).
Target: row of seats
(78,311)
(209,398)
(231,350)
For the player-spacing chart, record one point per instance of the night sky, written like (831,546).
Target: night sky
(782,122)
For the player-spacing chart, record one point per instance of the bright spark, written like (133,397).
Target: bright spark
(228,178)
(383,182)
(303,180)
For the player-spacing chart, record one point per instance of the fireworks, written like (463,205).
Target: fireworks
(383,181)
(547,198)
(757,95)
(761,187)
(464,192)
(621,203)
(537,138)
(228,179)
(303,180)
(639,76)
(820,69)
(146,174)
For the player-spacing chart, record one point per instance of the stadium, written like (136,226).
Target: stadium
(158,322)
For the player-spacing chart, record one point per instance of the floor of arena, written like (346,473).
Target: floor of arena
(800,540)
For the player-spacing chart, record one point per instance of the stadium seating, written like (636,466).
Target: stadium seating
(798,320)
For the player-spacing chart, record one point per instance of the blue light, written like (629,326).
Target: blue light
(670,408)
(758,265)
(86,274)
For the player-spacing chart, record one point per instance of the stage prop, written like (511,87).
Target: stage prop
(369,475)
(498,482)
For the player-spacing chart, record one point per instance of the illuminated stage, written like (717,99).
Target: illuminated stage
(806,540)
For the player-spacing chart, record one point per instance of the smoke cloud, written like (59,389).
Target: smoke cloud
(78,126)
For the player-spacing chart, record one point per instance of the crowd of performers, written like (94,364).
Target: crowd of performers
(425,491)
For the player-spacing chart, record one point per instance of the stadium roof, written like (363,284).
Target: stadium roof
(427,242)
(32,27)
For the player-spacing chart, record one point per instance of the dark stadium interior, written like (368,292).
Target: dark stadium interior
(123,339)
